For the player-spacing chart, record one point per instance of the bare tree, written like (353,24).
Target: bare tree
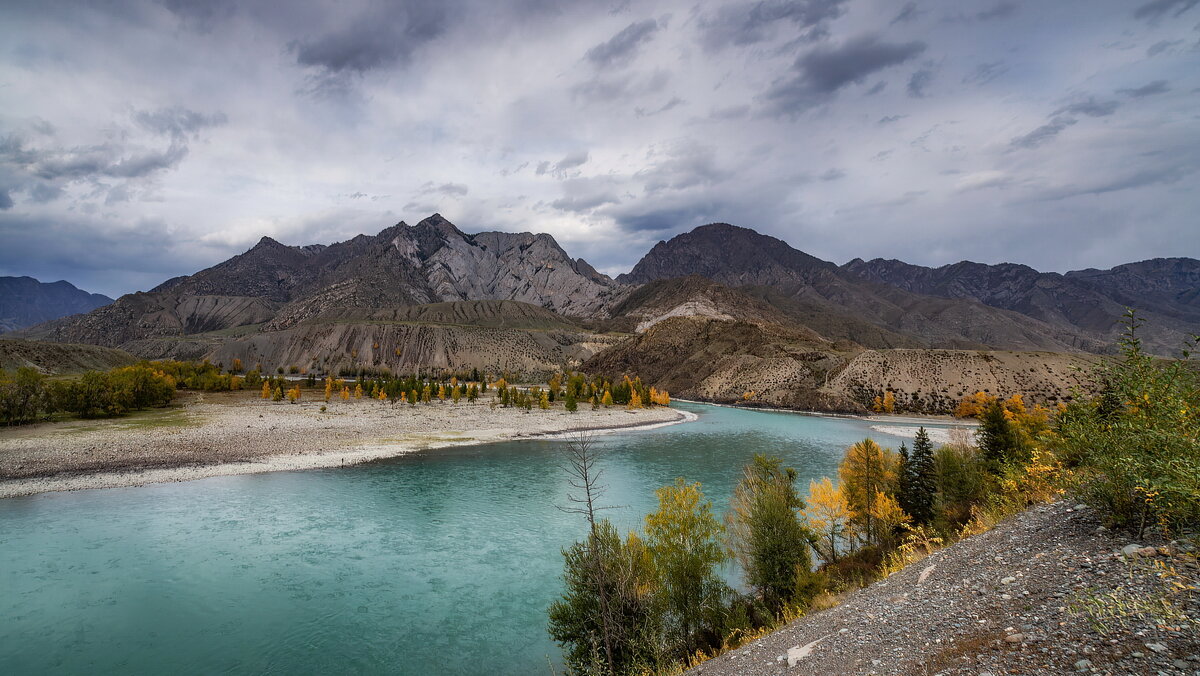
(581,456)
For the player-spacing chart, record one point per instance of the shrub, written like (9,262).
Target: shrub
(22,396)
(1137,443)
(961,484)
(768,537)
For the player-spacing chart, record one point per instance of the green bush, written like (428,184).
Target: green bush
(1136,444)
(22,396)
(961,480)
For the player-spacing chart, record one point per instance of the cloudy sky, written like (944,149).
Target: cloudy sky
(142,140)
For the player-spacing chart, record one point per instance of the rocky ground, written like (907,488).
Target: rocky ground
(238,433)
(1049,591)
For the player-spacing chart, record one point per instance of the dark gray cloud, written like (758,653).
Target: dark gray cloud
(1156,87)
(675,102)
(178,121)
(1043,134)
(1157,8)
(447,189)
(676,219)
(908,12)
(919,82)
(681,167)
(201,15)
(1000,10)
(743,24)
(621,48)
(1162,46)
(383,36)
(823,71)
(985,73)
(197,127)
(1090,107)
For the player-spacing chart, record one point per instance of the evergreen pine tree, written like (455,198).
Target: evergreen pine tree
(571,405)
(921,479)
(996,437)
(905,481)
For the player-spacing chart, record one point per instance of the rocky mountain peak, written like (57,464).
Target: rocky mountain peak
(728,254)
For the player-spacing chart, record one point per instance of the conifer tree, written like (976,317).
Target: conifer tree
(358,391)
(997,439)
(918,485)
(571,405)
(608,399)
(266,389)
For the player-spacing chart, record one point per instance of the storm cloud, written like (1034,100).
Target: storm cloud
(824,70)
(144,139)
(621,47)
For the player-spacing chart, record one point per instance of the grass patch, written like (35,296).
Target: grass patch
(158,418)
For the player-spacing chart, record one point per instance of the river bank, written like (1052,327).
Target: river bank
(230,433)
(1048,591)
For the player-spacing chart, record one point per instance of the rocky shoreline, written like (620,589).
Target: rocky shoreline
(238,433)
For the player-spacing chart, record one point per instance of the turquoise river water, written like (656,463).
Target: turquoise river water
(439,562)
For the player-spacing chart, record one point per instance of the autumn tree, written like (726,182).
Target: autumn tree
(829,518)
(266,389)
(683,537)
(608,399)
(867,472)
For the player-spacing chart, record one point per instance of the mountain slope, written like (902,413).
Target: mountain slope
(742,257)
(1090,302)
(60,358)
(24,301)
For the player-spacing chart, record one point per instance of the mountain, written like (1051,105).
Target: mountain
(721,313)
(842,304)
(24,301)
(279,286)
(1091,302)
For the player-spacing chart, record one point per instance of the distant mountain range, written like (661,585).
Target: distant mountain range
(431,296)
(24,301)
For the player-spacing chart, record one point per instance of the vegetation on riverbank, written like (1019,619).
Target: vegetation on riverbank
(28,396)
(653,604)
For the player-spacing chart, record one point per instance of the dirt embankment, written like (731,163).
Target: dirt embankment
(1047,592)
(774,366)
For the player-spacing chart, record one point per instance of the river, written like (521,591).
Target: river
(439,562)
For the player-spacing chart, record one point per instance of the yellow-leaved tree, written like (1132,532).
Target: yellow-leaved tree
(866,472)
(828,516)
